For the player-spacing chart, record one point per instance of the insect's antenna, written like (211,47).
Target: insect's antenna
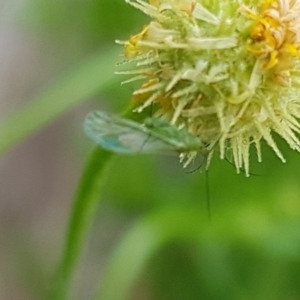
(207,191)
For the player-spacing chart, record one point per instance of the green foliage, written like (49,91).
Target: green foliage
(83,82)
(98,20)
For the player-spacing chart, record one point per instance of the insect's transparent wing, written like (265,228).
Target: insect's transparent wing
(123,136)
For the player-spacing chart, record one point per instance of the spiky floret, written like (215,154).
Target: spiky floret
(227,71)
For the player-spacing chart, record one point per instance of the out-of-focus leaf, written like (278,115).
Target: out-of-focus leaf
(146,238)
(85,81)
(155,231)
(92,20)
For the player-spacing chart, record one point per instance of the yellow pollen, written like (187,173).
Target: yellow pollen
(131,48)
(272,35)
(273,61)
(292,49)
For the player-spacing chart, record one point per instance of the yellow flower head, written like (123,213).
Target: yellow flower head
(227,72)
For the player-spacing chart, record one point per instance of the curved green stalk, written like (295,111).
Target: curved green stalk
(86,202)
(85,205)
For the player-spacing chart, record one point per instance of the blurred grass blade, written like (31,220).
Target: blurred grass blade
(140,244)
(85,81)
(85,204)
(84,207)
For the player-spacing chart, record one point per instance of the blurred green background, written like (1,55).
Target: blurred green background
(151,238)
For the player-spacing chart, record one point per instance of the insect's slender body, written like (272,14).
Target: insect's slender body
(129,137)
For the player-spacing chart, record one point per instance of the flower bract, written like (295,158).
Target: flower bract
(227,71)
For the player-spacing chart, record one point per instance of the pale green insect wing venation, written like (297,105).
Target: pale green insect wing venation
(125,136)
(180,137)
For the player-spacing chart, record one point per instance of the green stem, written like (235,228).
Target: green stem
(85,205)
(83,211)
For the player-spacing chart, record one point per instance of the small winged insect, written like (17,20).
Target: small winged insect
(125,136)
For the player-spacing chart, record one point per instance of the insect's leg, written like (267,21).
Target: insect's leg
(145,142)
(202,163)
(195,170)
(147,139)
